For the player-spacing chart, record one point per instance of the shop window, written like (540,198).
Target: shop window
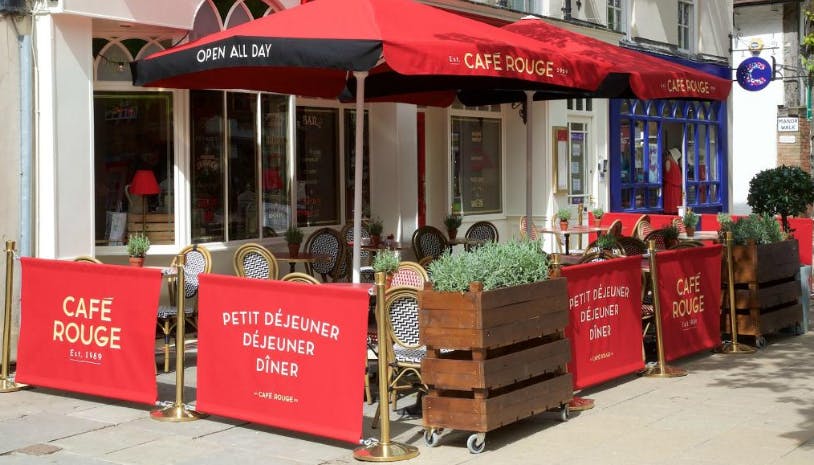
(317,162)
(477,170)
(133,131)
(238,165)
(577,162)
(637,169)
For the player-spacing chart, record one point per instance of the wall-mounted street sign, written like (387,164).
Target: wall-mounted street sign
(788,124)
(754,73)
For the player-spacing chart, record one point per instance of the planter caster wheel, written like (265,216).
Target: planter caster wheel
(565,413)
(760,342)
(476,443)
(432,436)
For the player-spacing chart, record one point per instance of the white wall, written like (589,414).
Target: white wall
(754,114)
(174,13)
(64,152)
(393,168)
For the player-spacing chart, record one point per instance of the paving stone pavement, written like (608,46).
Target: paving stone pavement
(731,409)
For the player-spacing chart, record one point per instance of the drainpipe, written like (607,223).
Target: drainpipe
(26,141)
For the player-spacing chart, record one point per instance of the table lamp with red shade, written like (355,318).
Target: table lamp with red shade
(144,183)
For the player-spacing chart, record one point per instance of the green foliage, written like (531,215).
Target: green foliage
(293,235)
(386,261)
(784,191)
(375,226)
(598,213)
(453,221)
(761,229)
(137,245)
(564,214)
(690,219)
(496,265)
(671,233)
(606,242)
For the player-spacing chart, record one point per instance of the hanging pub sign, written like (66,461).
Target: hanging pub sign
(754,73)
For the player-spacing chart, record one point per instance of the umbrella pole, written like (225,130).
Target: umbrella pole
(529,161)
(357,173)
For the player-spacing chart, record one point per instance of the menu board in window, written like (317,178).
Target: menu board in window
(477,164)
(317,166)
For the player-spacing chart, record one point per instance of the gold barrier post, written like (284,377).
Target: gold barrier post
(661,370)
(733,347)
(178,411)
(385,450)
(6,384)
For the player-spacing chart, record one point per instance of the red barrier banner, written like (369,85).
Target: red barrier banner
(605,329)
(689,284)
(284,354)
(89,328)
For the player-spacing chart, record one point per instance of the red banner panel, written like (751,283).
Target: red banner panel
(605,327)
(89,328)
(689,284)
(284,354)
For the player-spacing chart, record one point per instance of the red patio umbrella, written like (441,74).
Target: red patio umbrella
(627,73)
(412,52)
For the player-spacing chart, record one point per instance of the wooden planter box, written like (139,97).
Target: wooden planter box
(509,355)
(767,289)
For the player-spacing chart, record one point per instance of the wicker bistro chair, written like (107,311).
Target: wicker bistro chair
(410,274)
(298,277)
(255,261)
(404,360)
(615,228)
(482,231)
(327,243)
(658,235)
(429,241)
(365,256)
(642,227)
(197,260)
(534,230)
(632,245)
(87,259)
(596,256)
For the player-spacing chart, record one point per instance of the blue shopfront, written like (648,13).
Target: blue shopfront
(649,137)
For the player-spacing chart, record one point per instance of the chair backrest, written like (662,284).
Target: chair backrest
(299,277)
(401,304)
(410,274)
(87,259)
(197,260)
(679,224)
(429,241)
(632,245)
(534,234)
(615,228)
(482,231)
(255,261)
(657,235)
(328,243)
(642,227)
(347,233)
(596,256)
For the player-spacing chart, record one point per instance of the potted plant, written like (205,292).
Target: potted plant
(293,237)
(766,270)
(784,191)
(690,220)
(607,242)
(502,316)
(137,246)
(452,222)
(598,214)
(563,214)
(375,228)
(386,261)
(670,236)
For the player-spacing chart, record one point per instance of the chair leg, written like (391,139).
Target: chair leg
(368,395)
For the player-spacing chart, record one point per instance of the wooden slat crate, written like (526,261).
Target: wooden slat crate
(159,227)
